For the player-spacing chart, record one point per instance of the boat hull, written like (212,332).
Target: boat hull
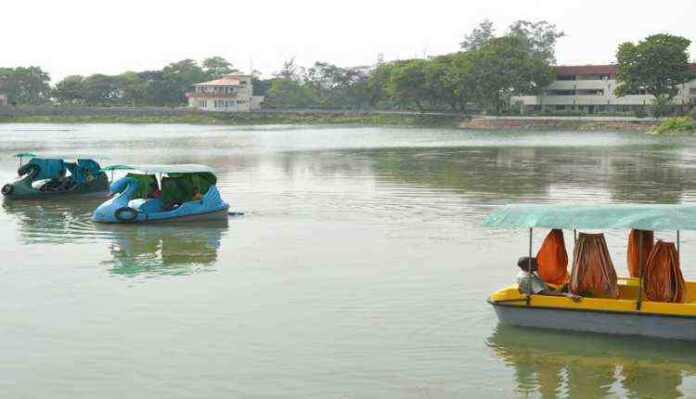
(23,189)
(680,327)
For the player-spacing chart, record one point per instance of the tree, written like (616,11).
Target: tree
(479,36)
(179,78)
(102,90)
(217,67)
(287,93)
(656,65)
(25,85)
(71,90)
(539,37)
(453,81)
(336,86)
(505,67)
(134,90)
(377,85)
(290,70)
(408,84)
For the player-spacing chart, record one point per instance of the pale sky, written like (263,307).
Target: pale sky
(107,36)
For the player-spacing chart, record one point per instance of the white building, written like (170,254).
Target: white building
(231,93)
(590,88)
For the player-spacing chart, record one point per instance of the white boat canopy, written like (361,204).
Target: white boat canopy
(604,216)
(58,156)
(157,169)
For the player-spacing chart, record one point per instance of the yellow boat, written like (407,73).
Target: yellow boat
(631,313)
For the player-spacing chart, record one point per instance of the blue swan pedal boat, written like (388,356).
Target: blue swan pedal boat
(150,193)
(52,176)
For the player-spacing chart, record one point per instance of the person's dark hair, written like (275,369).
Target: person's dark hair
(523,263)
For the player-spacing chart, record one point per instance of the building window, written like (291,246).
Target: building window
(566,77)
(560,92)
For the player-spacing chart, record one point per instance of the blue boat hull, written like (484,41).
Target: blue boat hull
(121,209)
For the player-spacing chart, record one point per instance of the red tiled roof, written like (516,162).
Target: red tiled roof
(568,70)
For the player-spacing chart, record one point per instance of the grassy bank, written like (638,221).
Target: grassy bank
(559,123)
(678,125)
(239,119)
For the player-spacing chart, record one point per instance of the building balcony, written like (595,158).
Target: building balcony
(198,95)
(581,85)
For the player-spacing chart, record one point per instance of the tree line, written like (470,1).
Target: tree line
(486,71)
(165,87)
(483,74)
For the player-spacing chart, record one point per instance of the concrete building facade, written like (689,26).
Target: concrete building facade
(231,93)
(590,88)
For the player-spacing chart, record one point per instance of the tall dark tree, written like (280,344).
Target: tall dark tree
(409,84)
(656,65)
(217,67)
(179,78)
(25,85)
(539,37)
(71,90)
(102,90)
(505,67)
(290,70)
(479,36)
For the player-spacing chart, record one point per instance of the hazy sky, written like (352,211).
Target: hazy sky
(108,36)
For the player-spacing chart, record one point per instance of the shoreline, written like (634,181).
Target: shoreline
(157,115)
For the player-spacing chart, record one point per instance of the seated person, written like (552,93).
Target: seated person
(60,183)
(155,192)
(197,195)
(529,283)
(89,177)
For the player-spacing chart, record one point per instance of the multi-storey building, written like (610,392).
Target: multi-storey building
(590,88)
(231,93)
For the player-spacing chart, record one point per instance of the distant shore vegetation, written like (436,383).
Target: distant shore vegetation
(480,77)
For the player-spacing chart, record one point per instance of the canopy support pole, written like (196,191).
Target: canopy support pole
(528,296)
(640,270)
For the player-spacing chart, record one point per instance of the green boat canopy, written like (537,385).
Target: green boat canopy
(156,169)
(606,216)
(24,155)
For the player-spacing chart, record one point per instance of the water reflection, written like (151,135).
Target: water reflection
(157,249)
(174,249)
(551,364)
(54,222)
(645,173)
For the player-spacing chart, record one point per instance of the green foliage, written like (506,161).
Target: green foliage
(102,90)
(692,113)
(656,65)
(217,67)
(25,85)
(480,36)
(677,125)
(505,67)
(408,83)
(287,93)
(538,37)
(166,87)
(71,90)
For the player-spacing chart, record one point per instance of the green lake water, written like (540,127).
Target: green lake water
(358,271)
